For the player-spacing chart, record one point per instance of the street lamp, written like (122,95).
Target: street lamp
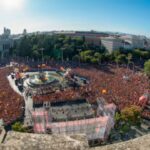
(79,50)
(62,55)
(42,49)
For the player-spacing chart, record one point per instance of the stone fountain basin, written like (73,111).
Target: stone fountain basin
(50,76)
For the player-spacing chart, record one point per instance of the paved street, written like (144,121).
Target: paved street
(28,102)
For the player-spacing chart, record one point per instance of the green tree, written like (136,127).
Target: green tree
(86,55)
(129,57)
(35,51)
(141,54)
(120,59)
(76,58)
(98,57)
(131,114)
(18,127)
(94,60)
(147,67)
(127,117)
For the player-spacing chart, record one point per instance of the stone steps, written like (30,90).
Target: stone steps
(146,122)
(147,107)
(144,128)
(138,131)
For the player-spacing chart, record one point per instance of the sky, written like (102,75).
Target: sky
(128,16)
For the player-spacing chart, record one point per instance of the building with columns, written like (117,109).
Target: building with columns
(6,42)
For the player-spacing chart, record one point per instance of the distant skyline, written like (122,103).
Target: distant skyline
(127,16)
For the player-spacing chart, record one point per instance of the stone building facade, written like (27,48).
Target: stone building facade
(6,42)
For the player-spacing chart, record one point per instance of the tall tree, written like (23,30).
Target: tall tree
(147,68)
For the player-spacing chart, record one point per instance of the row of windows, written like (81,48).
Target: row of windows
(6,46)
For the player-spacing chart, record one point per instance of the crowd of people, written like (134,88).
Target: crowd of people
(11,104)
(118,85)
(122,91)
(71,112)
(146,114)
(68,94)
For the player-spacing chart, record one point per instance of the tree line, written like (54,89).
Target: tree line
(54,46)
(63,47)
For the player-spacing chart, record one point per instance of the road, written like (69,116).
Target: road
(28,102)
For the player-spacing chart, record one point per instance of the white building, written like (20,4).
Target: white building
(112,43)
(6,42)
(147,44)
(126,41)
(135,41)
(127,45)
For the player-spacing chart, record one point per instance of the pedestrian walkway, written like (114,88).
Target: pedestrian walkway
(28,102)
(28,110)
(13,85)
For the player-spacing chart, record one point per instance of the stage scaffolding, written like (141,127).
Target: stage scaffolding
(94,128)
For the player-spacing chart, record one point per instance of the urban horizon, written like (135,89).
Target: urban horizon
(69,31)
(100,15)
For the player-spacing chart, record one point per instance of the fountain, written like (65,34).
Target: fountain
(54,78)
(42,78)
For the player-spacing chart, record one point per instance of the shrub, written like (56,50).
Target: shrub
(131,114)
(18,127)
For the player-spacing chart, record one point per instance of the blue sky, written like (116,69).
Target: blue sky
(130,16)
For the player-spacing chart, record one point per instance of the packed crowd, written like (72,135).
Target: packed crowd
(11,103)
(146,114)
(68,94)
(122,91)
(71,112)
(119,85)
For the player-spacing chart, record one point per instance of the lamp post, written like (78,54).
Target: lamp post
(133,66)
(42,49)
(62,55)
(79,50)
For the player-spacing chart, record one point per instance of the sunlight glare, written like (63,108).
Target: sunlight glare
(11,4)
